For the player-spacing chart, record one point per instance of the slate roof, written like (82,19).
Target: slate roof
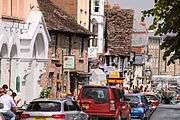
(57,19)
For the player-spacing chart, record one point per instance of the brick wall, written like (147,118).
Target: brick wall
(62,45)
(70,6)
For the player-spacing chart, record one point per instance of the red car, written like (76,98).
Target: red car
(104,102)
(151,97)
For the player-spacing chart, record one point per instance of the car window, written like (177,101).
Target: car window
(151,97)
(98,94)
(44,106)
(118,93)
(70,106)
(144,100)
(133,99)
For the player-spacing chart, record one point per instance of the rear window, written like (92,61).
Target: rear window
(133,99)
(44,106)
(97,94)
(151,97)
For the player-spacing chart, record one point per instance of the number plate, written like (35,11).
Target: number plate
(40,118)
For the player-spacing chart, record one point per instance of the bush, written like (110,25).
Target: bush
(45,92)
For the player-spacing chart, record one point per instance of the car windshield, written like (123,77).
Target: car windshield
(133,99)
(44,106)
(98,94)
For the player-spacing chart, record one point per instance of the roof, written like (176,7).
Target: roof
(59,20)
(119,30)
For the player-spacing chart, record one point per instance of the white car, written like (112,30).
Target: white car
(53,109)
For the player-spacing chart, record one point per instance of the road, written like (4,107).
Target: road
(167,112)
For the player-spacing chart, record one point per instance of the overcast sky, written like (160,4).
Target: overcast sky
(137,6)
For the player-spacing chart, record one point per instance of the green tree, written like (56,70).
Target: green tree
(166,20)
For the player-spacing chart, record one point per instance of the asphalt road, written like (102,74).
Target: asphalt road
(167,112)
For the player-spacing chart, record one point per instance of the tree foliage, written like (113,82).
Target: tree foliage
(166,22)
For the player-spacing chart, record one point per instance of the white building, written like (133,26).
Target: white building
(24,53)
(97,24)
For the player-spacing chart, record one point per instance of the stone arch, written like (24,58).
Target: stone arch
(39,47)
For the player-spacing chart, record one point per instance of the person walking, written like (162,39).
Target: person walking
(9,105)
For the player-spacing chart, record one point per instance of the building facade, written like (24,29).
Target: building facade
(97,24)
(157,64)
(69,40)
(24,47)
(79,9)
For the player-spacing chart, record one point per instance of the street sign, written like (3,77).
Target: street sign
(114,74)
(69,62)
(92,52)
(115,80)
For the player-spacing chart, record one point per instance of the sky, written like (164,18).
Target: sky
(137,6)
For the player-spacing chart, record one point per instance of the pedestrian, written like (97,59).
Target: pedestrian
(7,90)
(9,105)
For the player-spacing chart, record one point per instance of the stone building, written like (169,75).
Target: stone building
(23,47)
(68,39)
(97,24)
(156,63)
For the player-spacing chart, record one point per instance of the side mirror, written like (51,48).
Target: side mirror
(1,106)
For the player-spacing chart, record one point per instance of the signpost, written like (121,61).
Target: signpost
(68,64)
(115,78)
(92,52)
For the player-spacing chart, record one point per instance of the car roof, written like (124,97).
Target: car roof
(96,86)
(51,99)
(135,94)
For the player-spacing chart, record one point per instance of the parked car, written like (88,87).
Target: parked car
(53,109)
(104,102)
(140,106)
(153,99)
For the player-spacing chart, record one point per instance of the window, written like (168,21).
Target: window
(98,94)
(95,28)
(96,5)
(81,48)
(44,106)
(69,106)
(52,44)
(18,84)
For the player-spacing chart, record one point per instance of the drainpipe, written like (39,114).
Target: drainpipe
(10,72)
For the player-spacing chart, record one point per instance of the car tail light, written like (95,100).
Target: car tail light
(124,107)
(112,105)
(25,116)
(58,116)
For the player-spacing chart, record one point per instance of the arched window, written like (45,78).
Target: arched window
(18,84)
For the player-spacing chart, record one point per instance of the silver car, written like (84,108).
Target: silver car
(53,109)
